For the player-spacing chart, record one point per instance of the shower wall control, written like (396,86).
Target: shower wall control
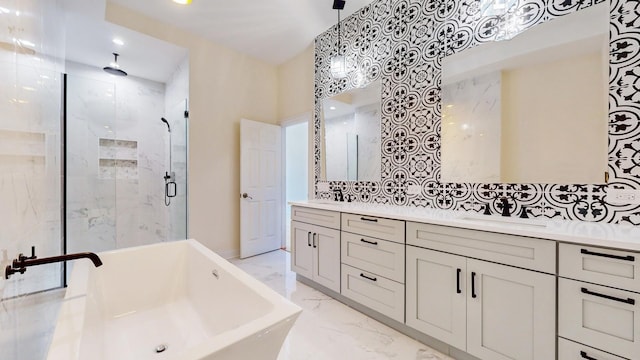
(170,186)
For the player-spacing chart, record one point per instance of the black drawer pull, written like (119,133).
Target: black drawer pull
(583,354)
(308,239)
(368,278)
(367,219)
(626,258)
(369,242)
(458,290)
(314,240)
(626,301)
(473,285)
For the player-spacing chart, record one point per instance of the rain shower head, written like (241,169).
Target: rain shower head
(114,68)
(166,122)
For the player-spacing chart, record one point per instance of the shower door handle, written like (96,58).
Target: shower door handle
(246,196)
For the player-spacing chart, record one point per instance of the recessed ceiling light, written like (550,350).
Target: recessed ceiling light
(118,41)
(182,2)
(4,10)
(332,108)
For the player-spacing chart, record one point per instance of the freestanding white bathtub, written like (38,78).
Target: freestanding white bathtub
(177,296)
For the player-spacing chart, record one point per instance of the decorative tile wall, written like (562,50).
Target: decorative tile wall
(402,42)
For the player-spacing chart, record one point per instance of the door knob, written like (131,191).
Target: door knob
(246,196)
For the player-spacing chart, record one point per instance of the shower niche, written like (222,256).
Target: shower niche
(118,159)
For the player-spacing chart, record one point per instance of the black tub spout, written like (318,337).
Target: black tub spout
(22,262)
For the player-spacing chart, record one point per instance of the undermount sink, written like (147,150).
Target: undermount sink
(504,220)
(325,201)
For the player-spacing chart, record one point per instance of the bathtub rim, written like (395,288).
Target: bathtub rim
(67,337)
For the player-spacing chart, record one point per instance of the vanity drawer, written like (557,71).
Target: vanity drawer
(326,218)
(520,251)
(569,350)
(603,317)
(381,228)
(381,257)
(615,268)
(378,293)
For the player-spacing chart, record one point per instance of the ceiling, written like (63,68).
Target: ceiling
(271,30)
(89,40)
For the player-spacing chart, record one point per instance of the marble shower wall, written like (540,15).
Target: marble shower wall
(116,148)
(31,49)
(402,43)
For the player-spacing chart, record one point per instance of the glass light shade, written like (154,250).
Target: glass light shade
(339,68)
(496,7)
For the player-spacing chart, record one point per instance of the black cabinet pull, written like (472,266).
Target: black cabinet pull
(367,219)
(619,257)
(626,301)
(458,290)
(368,278)
(583,354)
(473,285)
(314,240)
(369,242)
(308,239)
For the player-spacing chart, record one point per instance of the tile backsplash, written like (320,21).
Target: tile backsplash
(402,43)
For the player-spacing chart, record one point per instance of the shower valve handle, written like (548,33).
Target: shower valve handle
(246,196)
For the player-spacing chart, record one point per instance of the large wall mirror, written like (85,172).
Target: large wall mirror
(532,109)
(351,135)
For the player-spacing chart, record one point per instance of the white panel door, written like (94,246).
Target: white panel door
(437,296)
(302,249)
(326,261)
(510,313)
(260,188)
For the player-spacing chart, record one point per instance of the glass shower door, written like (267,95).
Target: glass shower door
(93,158)
(177,117)
(31,61)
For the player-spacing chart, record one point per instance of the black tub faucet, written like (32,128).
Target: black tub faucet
(506,207)
(20,264)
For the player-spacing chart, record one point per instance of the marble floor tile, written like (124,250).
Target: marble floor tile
(328,329)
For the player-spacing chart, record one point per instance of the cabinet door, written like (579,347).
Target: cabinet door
(326,265)
(301,249)
(436,295)
(599,316)
(510,313)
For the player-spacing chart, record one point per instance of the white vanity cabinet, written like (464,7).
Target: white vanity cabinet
(315,252)
(373,265)
(489,310)
(598,300)
(524,293)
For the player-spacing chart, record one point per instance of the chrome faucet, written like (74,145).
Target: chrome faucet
(20,264)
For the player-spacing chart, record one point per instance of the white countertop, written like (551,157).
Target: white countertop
(581,232)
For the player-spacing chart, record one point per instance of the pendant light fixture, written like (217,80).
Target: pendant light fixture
(507,21)
(339,66)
